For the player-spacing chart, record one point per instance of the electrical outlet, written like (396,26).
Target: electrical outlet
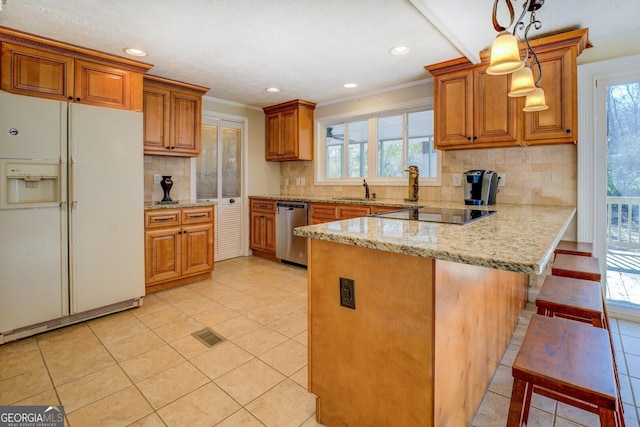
(348,293)
(157,178)
(502,180)
(302,181)
(286,182)
(298,182)
(457,179)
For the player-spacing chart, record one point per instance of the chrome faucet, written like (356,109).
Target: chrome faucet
(366,188)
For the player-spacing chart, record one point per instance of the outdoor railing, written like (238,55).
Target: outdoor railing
(623,222)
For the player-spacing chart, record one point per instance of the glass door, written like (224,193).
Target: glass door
(219,177)
(619,100)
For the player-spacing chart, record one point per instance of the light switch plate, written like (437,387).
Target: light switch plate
(457,179)
(157,178)
(502,180)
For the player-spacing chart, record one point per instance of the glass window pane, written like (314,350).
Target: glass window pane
(334,143)
(357,160)
(390,153)
(207,164)
(231,162)
(420,151)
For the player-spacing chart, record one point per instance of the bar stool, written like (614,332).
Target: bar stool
(574,299)
(570,362)
(574,248)
(576,266)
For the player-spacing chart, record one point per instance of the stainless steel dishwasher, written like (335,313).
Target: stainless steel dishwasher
(290,248)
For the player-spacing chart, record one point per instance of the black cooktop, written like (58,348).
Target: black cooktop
(444,215)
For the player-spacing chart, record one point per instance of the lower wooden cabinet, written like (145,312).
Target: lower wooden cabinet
(263,228)
(178,247)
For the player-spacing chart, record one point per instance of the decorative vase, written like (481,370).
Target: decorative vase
(166,185)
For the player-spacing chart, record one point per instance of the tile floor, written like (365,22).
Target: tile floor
(142,367)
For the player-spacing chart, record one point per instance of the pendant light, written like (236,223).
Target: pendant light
(535,101)
(505,55)
(522,82)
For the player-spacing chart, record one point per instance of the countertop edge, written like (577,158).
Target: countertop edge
(191,204)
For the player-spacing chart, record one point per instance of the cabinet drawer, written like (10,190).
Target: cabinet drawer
(197,215)
(348,212)
(329,212)
(161,218)
(268,206)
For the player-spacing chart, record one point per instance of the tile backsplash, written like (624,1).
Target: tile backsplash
(179,168)
(540,175)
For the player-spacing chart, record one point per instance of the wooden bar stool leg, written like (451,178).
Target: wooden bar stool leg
(516,406)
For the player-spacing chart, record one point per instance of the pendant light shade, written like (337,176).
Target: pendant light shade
(535,101)
(522,82)
(505,55)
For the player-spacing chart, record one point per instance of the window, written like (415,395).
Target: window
(378,148)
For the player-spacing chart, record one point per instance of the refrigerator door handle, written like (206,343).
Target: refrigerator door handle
(72,182)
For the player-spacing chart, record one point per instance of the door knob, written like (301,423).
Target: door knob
(232,201)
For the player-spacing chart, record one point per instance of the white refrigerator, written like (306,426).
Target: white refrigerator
(71,213)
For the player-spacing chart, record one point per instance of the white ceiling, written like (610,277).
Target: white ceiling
(307,48)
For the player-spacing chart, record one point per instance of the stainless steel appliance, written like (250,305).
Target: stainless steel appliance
(443,215)
(480,187)
(71,204)
(290,248)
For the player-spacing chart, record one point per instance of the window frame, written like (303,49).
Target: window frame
(320,124)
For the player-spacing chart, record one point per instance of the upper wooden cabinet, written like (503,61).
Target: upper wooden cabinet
(172,117)
(36,66)
(472,109)
(289,131)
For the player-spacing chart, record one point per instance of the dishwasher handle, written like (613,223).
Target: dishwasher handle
(291,205)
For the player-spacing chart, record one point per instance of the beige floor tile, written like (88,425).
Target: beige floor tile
(203,407)
(13,364)
(215,315)
(502,381)
(171,384)
(492,412)
(241,418)
(152,362)
(158,318)
(135,345)
(577,415)
(302,377)
(19,346)
(221,359)
(180,329)
(24,386)
(235,327)
(302,338)
(150,304)
(290,325)
(249,381)
(117,326)
(177,295)
(287,404)
(311,422)
(90,388)
(287,357)
(46,398)
(260,340)
(65,366)
(196,304)
(78,331)
(152,420)
(119,409)
(189,347)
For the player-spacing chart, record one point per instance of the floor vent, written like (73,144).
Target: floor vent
(207,337)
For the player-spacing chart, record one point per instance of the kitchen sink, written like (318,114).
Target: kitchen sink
(352,198)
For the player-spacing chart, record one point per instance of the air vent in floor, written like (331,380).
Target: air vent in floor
(207,337)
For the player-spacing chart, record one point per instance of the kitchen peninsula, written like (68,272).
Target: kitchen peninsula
(435,307)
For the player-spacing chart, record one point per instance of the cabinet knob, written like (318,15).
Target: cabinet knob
(167,148)
(568,131)
(71,98)
(475,137)
(77,99)
(468,138)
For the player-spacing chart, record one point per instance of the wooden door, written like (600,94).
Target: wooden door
(273,135)
(269,244)
(100,85)
(163,254)
(559,122)
(454,108)
(197,249)
(33,72)
(495,113)
(185,123)
(289,135)
(156,110)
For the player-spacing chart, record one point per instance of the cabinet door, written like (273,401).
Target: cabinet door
(289,135)
(257,231)
(454,109)
(33,72)
(185,123)
(156,109)
(163,254)
(496,114)
(197,249)
(559,122)
(273,135)
(270,233)
(100,85)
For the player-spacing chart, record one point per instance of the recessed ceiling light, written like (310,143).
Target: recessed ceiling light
(399,50)
(272,89)
(350,85)
(134,52)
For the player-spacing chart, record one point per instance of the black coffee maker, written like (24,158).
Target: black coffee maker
(480,187)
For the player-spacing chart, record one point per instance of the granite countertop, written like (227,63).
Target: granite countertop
(148,205)
(518,238)
(400,203)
